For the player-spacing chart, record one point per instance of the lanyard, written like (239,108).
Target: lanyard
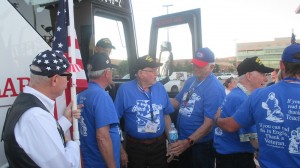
(148,97)
(192,89)
(243,88)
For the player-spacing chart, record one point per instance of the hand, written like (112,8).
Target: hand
(178,147)
(218,113)
(75,113)
(170,158)
(124,158)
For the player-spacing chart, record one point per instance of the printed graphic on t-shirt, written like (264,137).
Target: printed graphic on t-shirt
(83,128)
(187,108)
(218,131)
(274,113)
(276,134)
(143,115)
(295,141)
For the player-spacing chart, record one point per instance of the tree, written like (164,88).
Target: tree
(123,68)
(217,68)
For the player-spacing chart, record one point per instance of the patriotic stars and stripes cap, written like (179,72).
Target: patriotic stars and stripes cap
(51,63)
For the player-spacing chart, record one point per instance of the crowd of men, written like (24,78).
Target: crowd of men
(215,129)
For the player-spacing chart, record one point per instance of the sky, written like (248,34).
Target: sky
(224,22)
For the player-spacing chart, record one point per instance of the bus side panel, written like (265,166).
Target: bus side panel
(19,44)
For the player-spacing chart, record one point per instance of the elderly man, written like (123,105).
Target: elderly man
(198,101)
(104,45)
(32,137)
(275,112)
(99,123)
(234,149)
(145,107)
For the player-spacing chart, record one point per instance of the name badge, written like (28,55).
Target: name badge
(151,127)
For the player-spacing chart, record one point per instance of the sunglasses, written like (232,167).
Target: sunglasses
(68,75)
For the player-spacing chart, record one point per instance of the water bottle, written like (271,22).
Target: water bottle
(173,134)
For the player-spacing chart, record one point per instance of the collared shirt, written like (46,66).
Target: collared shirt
(36,132)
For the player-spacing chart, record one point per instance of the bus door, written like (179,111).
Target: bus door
(173,40)
(108,19)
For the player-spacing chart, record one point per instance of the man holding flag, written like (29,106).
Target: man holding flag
(32,136)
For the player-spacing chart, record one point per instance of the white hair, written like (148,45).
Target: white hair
(37,78)
(94,74)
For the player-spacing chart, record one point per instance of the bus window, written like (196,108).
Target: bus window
(113,29)
(170,42)
(38,14)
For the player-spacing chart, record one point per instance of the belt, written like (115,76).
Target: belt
(145,141)
(235,155)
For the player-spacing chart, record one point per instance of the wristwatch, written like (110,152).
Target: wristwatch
(191,142)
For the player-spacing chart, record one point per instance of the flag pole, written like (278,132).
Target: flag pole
(71,49)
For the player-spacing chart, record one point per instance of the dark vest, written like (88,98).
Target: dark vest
(15,155)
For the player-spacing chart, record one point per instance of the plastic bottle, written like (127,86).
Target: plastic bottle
(173,134)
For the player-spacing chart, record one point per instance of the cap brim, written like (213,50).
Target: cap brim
(265,70)
(199,63)
(114,66)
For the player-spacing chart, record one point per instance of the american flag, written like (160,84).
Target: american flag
(64,32)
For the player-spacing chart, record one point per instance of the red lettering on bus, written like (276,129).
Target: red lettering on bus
(22,81)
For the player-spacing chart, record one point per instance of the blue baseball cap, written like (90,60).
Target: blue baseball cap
(101,62)
(203,56)
(290,53)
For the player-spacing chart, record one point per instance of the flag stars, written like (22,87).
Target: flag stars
(58,12)
(55,61)
(46,62)
(57,67)
(58,28)
(60,45)
(48,68)
(39,61)
(44,56)
(60,60)
(65,66)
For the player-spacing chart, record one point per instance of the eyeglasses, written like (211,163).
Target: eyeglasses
(68,75)
(154,71)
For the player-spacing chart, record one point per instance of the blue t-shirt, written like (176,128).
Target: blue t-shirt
(98,111)
(136,107)
(226,142)
(275,110)
(203,101)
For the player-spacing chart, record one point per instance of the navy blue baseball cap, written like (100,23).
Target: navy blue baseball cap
(101,62)
(291,53)
(203,56)
(51,62)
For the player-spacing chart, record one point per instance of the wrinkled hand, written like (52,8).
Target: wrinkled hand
(124,158)
(170,158)
(175,149)
(75,113)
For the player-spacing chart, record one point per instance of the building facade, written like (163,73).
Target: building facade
(268,51)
